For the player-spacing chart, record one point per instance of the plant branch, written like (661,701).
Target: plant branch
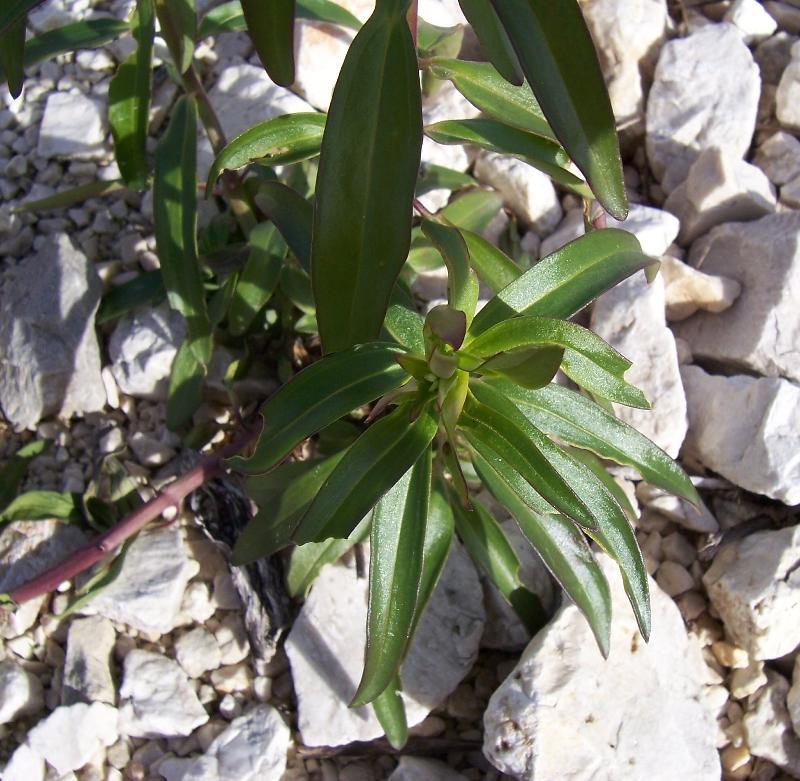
(210,466)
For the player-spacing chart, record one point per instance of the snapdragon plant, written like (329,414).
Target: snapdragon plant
(320,232)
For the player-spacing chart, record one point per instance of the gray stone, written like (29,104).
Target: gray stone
(687,114)
(418,769)
(746,429)
(72,735)
(142,349)
(148,592)
(49,356)
(631,319)
(793,697)
(21,692)
(688,290)
(719,188)
(566,713)
(73,127)
(779,157)
(252,748)
(696,519)
(754,584)
(768,728)
(87,669)
(156,698)
(751,18)
(761,331)
(787,15)
(325,650)
(198,651)
(773,55)
(788,94)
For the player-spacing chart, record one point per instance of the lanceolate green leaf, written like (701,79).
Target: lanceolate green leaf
(367,173)
(70,197)
(178,22)
(538,151)
(369,468)
(391,713)
(41,505)
(327,11)
(129,101)
(435,177)
(319,395)
(493,38)
(12,54)
(12,473)
(87,34)
(405,327)
(578,421)
(568,279)
(271,27)
(185,387)
(492,265)
(145,289)
(293,216)
(175,222)
(13,11)
(259,277)
(487,90)
(530,367)
(395,570)
(563,549)
(488,546)
(558,58)
(278,141)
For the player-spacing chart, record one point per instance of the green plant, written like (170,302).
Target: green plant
(461,398)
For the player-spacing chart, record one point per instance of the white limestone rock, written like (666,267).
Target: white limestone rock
(768,728)
(754,585)
(790,194)
(747,429)
(752,19)
(325,650)
(793,697)
(719,188)
(566,713)
(761,331)
(156,698)
(25,765)
(147,594)
(688,290)
(73,127)
(21,692)
(73,734)
(49,356)
(418,769)
(787,98)
(569,229)
(442,13)
(320,50)
(142,348)
(252,748)
(696,519)
(198,651)
(87,669)
(779,157)
(687,114)
(631,318)
(527,192)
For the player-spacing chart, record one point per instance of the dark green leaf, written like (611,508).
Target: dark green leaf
(369,468)
(67,198)
(178,22)
(111,494)
(319,395)
(367,172)
(13,11)
(558,58)
(146,289)
(395,570)
(270,24)
(568,279)
(538,151)
(487,90)
(488,546)
(296,286)
(578,421)
(12,473)
(12,53)
(279,141)
(391,713)
(221,299)
(43,505)
(86,34)
(437,177)
(292,214)
(175,222)
(494,267)
(185,387)
(129,101)
(225,18)
(259,277)
(530,367)
(327,11)
(493,38)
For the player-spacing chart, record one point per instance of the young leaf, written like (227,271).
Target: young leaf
(178,22)
(86,34)
(293,216)
(286,139)
(319,395)
(494,267)
(369,468)
(129,101)
(145,289)
(578,421)
(282,497)
(487,90)
(175,223)
(395,570)
(404,325)
(462,283)
(488,546)
(494,40)
(42,505)
(12,473)
(391,713)
(437,177)
(259,277)
(270,24)
(563,549)
(558,58)
(530,367)
(185,387)
(12,54)
(538,151)
(367,172)
(568,279)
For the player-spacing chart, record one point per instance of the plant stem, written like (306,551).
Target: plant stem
(210,466)
(412,19)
